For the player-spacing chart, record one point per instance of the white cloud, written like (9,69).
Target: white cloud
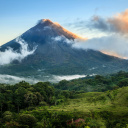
(62,38)
(10,55)
(9,79)
(46,27)
(115,45)
(67,77)
(57,38)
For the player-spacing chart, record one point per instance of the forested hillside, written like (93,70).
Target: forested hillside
(96,83)
(91,102)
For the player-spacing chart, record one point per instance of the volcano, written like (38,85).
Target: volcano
(55,55)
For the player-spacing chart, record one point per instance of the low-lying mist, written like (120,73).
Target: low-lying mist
(9,79)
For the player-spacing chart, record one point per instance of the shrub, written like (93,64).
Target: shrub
(7,118)
(27,119)
(7,113)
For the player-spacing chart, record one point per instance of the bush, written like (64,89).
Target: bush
(39,125)
(12,124)
(43,103)
(7,113)
(27,119)
(7,118)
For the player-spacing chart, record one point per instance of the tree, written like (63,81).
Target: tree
(123,82)
(23,84)
(30,98)
(39,97)
(45,90)
(9,99)
(2,100)
(62,84)
(19,97)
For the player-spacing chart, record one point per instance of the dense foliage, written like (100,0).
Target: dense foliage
(96,83)
(66,104)
(23,95)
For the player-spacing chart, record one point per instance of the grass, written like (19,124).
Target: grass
(84,102)
(115,102)
(107,109)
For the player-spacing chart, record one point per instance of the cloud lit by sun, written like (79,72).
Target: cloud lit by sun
(112,53)
(120,22)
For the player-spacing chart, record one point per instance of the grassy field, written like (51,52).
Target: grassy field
(107,109)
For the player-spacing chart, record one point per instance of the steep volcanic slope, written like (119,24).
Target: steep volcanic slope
(54,54)
(42,33)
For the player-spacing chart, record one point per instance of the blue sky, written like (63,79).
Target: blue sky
(17,16)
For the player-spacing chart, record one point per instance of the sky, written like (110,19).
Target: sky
(17,16)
